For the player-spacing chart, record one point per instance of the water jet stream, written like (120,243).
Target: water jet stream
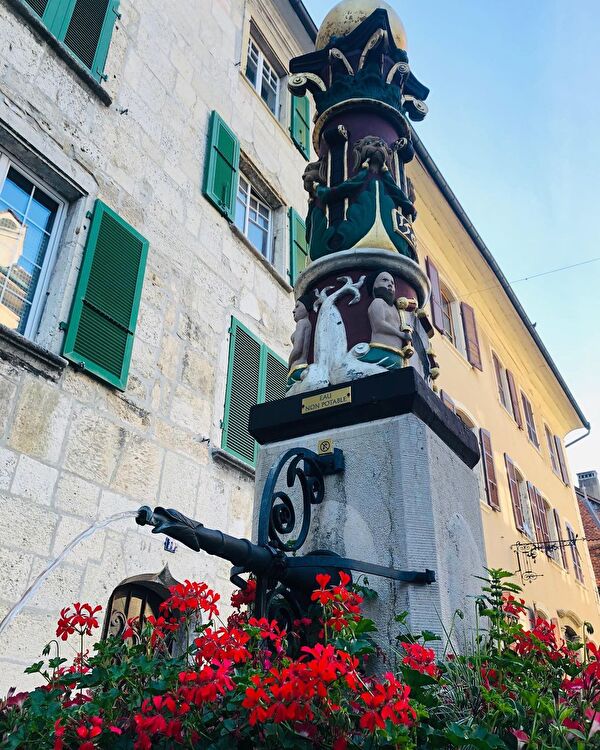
(14,611)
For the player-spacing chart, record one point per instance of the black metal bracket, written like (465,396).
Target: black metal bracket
(331,463)
(284,578)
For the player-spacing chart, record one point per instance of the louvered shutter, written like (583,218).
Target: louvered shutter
(448,401)
(275,377)
(300,124)
(514,399)
(538,508)
(436,295)
(299,257)
(491,482)
(243,389)
(561,459)
(530,420)
(89,32)
(575,556)
(471,335)
(221,166)
(559,536)
(107,297)
(39,6)
(515,495)
(552,451)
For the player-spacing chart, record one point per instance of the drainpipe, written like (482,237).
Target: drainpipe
(587,432)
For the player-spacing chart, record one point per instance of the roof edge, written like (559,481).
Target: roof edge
(461,215)
(305,18)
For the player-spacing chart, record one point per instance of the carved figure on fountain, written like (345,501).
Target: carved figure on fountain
(301,338)
(363,210)
(363,89)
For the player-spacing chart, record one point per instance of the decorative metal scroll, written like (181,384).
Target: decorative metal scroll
(283,582)
(527,554)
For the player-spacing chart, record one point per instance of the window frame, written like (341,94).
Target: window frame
(525,503)
(254,192)
(530,426)
(39,299)
(260,66)
(575,555)
(554,462)
(502,386)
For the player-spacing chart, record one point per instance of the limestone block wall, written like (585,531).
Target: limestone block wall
(73,450)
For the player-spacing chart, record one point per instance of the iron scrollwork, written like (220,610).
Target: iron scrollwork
(284,579)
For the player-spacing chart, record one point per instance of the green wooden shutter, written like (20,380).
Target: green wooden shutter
(275,377)
(84,26)
(221,167)
(255,375)
(299,257)
(107,298)
(243,390)
(300,124)
(39,6)
(87,32)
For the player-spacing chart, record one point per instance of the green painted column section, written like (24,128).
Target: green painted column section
(107,298)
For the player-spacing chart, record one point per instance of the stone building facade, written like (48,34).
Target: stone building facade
(146,122)
(73,448)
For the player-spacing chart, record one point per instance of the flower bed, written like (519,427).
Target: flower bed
(237,686)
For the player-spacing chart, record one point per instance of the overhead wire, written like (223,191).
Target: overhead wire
(535,276)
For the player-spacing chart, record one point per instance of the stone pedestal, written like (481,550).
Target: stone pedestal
(408,497)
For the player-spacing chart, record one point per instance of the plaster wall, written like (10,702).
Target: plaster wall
(73,450)
(468,277)
(405,500)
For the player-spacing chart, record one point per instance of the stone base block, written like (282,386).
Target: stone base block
(406,499)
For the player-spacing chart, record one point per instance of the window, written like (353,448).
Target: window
(253,218)
(559,536)
(552,451)
(262,76)
(83,26)
(487,457)
(529,420)
(101,327)
(520,499)
(470,425)
(136,599)
(255,374)
(507,390)
(447,321)
(575,556)
(456,321)
(502,384)
(30,223)
(557,456)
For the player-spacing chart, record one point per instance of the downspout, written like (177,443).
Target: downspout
(587,432)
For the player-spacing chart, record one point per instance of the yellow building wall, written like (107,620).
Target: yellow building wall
(556,593)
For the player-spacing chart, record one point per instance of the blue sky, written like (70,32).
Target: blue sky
(513,124)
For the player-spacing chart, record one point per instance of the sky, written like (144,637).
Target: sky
(513,125)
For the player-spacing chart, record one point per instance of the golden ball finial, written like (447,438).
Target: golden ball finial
(347,15)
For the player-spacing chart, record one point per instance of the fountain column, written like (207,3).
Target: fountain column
(363,369)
